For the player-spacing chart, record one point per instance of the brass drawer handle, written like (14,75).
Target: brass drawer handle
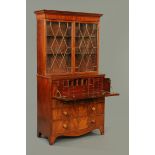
(92,121)
(65,113)
(93,108)
(65,126)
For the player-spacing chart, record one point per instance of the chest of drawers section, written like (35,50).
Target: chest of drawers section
(75,118)
(69,115)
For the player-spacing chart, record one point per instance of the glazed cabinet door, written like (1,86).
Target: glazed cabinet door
(86,47)
(71,47)
(58,47)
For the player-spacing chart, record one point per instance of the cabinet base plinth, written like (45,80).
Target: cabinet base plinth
(52,138)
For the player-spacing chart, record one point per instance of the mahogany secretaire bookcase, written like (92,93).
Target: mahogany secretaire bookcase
(70,92)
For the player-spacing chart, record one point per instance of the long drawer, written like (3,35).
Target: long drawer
(77,110)
(75,124)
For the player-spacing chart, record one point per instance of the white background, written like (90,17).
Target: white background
(13,77)
(142,77)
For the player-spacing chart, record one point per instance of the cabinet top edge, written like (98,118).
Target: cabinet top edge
(67,13)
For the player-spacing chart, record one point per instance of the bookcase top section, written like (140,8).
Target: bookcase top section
(69,13)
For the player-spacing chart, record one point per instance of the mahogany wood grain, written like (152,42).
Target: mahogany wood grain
(70,103)
(58,12)
(67,15)
(43,110)
(41,54)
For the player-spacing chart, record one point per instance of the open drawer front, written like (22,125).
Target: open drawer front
(82,88)
(65,98)
(107,94)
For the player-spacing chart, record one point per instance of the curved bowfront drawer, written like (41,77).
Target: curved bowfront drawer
(77,109)
(76,124)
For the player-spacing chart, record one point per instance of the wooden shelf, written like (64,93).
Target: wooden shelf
(58,36)
(78,53)
(68,49)
(58,53)
(87,49)
(78,37)
(85,37)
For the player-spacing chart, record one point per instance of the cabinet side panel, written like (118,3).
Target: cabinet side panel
(43,108)
(41,53)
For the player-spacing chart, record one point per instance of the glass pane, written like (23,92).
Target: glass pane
(86,47)
(58,47)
